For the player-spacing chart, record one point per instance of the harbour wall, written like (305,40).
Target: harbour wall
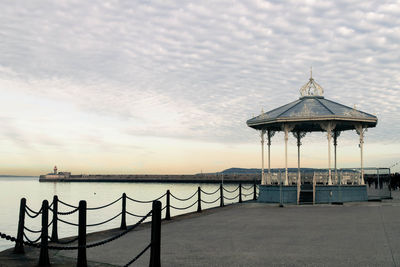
(154,178)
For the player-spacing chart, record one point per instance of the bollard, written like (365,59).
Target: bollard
(255,191)
(240,193)
(54,230)
(155,249)
(44,250)
(221,190)
(82,262)
(123,214)
(198,199)
(167,211)
(19,246)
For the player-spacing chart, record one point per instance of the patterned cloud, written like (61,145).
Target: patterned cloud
(191,70)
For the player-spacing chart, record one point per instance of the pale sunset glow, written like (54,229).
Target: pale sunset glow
(166,87)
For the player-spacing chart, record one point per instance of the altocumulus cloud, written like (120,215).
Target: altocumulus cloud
(199,70)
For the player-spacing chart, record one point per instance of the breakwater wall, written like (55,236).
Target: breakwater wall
(154,178)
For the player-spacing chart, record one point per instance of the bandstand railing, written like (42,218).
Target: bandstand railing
(46,242)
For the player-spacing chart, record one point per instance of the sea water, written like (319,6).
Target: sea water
(12,189)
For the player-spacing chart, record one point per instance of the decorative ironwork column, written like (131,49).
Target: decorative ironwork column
(262,134)
(360,131)
(298,135)
(328,127)
(270,134)
(336,134)
(286,128)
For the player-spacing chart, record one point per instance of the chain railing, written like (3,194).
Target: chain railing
(42,241)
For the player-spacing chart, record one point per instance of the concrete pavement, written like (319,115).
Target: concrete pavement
(255,234)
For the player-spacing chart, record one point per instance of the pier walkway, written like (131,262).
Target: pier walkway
(255,234)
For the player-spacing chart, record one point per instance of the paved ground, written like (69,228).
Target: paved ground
(253,234)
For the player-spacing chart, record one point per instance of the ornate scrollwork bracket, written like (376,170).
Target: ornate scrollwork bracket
(299,135)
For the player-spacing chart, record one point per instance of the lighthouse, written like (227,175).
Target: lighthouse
(55,169)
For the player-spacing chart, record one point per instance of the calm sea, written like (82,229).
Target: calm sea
(12,189)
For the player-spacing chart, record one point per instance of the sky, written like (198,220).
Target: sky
(166,87)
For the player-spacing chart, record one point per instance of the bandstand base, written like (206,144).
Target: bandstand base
(323,194)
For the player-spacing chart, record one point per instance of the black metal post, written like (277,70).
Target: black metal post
(19,246)
(54,228)
(240,193)
(167,210)
(198,199)
(123,214)
(255,192)
(44,250)
(155,249)
(82,262)
(221,192)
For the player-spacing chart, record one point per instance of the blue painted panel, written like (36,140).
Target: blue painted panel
(344,193)
(323,194)
(272,193)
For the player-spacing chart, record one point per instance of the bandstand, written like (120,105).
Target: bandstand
(311,113)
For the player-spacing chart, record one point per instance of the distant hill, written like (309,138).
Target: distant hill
(255,170)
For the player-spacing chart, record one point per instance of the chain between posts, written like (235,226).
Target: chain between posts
(231,198)
(183,199)
(231,191)
(105,206)
(185,208)
(44,238)
(211,202)
(212,193)
(145,201)
(247,188)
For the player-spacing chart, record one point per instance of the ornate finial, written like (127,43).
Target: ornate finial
(311,88)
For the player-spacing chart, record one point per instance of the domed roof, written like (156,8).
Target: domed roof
(310,110)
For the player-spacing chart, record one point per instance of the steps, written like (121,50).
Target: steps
(306,194)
